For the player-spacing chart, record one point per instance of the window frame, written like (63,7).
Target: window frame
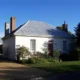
(64,45)
(33,45)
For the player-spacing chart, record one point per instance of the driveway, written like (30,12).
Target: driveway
(15,71)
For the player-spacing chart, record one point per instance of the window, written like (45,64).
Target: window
(64,45)
(16,49)
(33,45)
(72,46)
(17,46)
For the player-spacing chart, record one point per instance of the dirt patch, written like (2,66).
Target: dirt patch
(15,71)
(10,65)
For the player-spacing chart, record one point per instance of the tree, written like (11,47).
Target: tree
(60,27)
(22,52)
(77,33)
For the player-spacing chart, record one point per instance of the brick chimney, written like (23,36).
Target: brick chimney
(12,24)
(7,28)
(65,27)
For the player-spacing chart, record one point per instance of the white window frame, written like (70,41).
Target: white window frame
(33,45)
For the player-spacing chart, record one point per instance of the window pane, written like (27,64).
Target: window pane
(64,45)
(32,45)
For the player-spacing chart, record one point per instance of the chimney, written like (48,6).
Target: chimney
(12,24)
(65,27)
(7,28)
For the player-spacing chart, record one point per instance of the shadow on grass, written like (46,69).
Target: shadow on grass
(63,72)
(57,69)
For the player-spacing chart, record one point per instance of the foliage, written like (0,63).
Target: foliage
(72,56)
(39,60)
(75,54)
(60,67)
(56,54)
(64,57)
(69,32)
(60,27)
(51,59)
(40,55)
(35,60)
(22,52)
(77,33)
(45,48)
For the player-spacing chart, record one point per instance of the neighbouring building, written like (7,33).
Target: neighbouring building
(36,36)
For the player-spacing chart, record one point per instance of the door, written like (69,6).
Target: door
(50,48)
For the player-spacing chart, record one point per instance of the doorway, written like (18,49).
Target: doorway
(50,48)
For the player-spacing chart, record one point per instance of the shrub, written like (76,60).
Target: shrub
(37,60)
(72,56)
(40,55)
(75,54)
(56,54)
(64,57)
(52,60)
(22,53)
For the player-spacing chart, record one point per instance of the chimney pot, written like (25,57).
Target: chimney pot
(65,27)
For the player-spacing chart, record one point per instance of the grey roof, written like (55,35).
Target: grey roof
(37,28)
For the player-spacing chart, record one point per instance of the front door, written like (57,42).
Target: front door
(50,48)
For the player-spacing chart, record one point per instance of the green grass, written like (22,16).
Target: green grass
(59,67)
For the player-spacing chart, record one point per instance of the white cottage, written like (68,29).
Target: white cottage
(36,36)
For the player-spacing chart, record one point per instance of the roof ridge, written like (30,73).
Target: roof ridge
(43,22)
(38,28)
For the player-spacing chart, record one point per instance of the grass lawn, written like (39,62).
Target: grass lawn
(59,67)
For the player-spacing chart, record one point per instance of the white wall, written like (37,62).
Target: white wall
(25,41)
(9,44)
(9,48)
(58,43)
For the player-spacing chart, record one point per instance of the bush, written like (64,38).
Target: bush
(40,55)
(52,60)
(23,61)
(75,54)
(37,60)
(56,54)
(64,57)
(72,56)
(22,53)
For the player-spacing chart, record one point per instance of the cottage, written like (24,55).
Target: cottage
(36,36)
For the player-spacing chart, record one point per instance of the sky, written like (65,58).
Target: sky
(54,12)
